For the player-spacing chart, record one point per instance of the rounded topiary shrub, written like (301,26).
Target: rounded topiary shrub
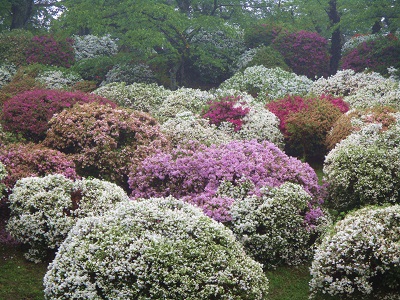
(44,209)
(24,160)
(28,113)
(280,226)
(153,249)
(359,257)
(91,46)
(195,175)
(269,58)
(105,142)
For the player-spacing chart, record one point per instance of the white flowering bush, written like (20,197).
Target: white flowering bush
(130,73)
(364,168)
(345,83)
(139,96)
(3,175)
(181,100)
(280,226)
(90,46)
(7,71)
(58,79)
(268,84)
(354,41)
(160,248)
(360,257)
(44,209)
(187,127)
(245,58)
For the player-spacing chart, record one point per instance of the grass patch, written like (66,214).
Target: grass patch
(19,278)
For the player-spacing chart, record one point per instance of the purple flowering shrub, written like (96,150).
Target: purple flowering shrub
(29,112)
(306,53)
(195,175)
(26,160)
(49,51)
(224,110)
(103,141)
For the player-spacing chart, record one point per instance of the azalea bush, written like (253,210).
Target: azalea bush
(13,46)
(306,53)
(268,84)
(359,257)
(94,69)
(24,160)
(364,169)
(114,139)
(130,72)
(279,226)
(268,57)
(47,50)
(91,46)
(44,209)
(138,96)
(194,175)
(58,78)
(7,71)
(261,34)
(28,113)
(157,249)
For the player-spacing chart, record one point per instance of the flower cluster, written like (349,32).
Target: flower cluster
(272,227)
(130,73)
(359,258)
(363,168)
(43,210)
(48,51)
(357,40)
(28,113)
(90,46)
(268,84)
(138,96)
(33,160)
(195,175)
(58,79)
(113,139)
(157,249)
(7,71)
(306,53)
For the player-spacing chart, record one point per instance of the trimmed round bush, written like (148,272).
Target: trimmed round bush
(28,113)
(130,72)
(25,160)
(359,257)
(56,78)
(153,249)
(13,46)
(43,210)
(269,58)
(94,69)
(267,84)
(91,46)
(195,175)
(104,142)
(306,53)
(280,226)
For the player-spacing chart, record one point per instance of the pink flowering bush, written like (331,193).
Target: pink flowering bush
(105,142)
(224,110)
(48,51)
(25,160)
(28,113)
(306,53)
(195,175)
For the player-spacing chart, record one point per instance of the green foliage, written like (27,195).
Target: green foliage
(13,46)
(269,58)
(94,69)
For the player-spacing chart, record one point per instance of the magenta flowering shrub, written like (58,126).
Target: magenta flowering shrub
(26,160)
(48,51)
(224,110)
(195,175)
(105,142)
(29,112)
(306,53)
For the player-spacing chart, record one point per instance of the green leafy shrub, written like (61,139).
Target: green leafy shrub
(43,210)
(269,58)
(261,34)
(153,249)
(359,257)
(280,226)
(13,46)
(94,69)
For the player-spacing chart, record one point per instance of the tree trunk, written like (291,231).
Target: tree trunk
(21,11)
(336,40)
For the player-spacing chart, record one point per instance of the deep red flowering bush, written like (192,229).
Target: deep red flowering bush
(224,110)
(28,113)
(195,175)
(25,160)
(105,142)
(376,55)
(49,51)
(306,53)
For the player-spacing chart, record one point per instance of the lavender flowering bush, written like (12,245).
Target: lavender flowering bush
(44,209)
(280,226)
(359,257)
(194,175)
(153,249)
